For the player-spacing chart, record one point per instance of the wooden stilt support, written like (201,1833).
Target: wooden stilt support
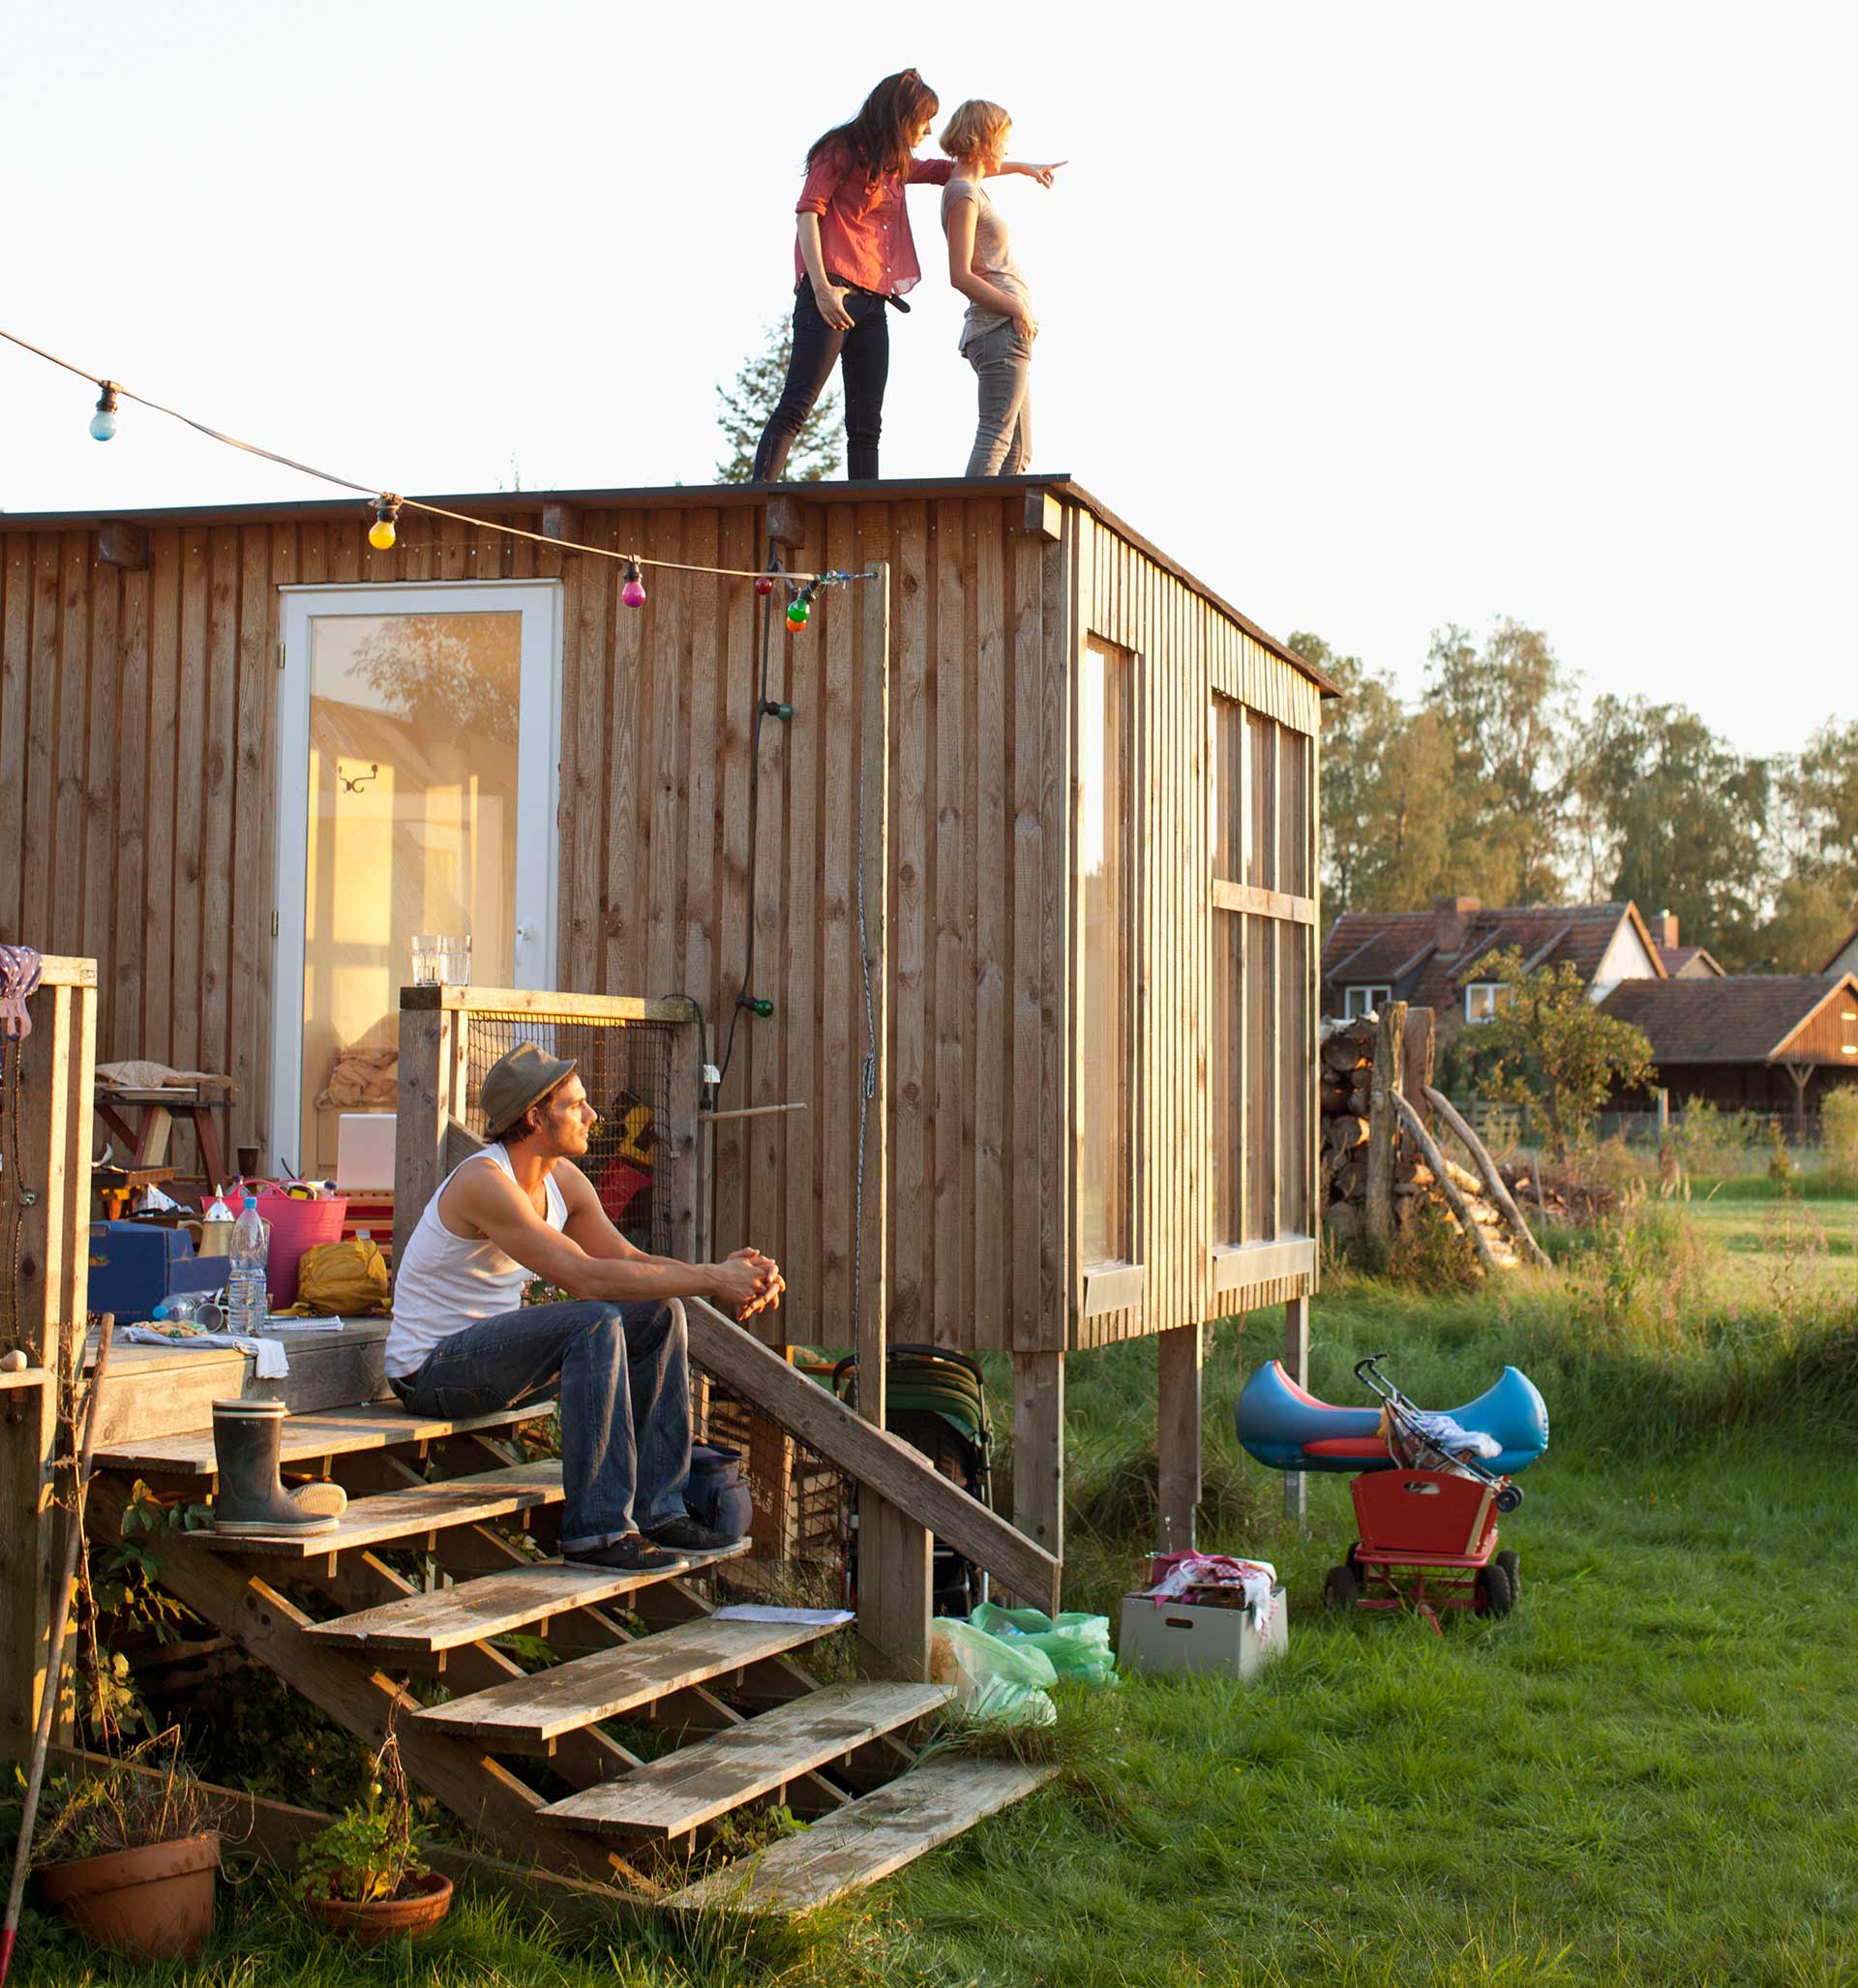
(1039,1449)
(1297,1366)
(1178,1356)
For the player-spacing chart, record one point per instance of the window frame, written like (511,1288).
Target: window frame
(1352,1014)
(1113,1282)
(1493,988)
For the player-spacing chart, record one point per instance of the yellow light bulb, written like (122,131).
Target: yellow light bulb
(382,535)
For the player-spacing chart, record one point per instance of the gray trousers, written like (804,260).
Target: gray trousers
(1002,363)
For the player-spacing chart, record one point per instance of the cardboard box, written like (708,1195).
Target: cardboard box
(1177,1638)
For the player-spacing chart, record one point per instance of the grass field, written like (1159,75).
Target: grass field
(1643,1775)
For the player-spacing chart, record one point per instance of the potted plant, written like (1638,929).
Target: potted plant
(362,1875)
(128,1850)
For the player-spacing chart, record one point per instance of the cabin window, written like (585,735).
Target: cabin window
(1358,1002)
(1106,881)
(1484,998)
(1262,954)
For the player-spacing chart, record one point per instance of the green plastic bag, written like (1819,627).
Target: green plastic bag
(992,1679)
(1078,1646)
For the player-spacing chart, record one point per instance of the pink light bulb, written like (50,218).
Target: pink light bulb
(633,593)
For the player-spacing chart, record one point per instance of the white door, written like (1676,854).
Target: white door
(417,738)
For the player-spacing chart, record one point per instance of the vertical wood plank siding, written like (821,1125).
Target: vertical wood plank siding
(1185,650)
(138,716)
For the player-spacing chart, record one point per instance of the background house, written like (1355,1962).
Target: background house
(1764,1042)
(1432,958)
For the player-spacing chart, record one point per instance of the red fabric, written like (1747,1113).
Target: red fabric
(864,230)
(1368,1447)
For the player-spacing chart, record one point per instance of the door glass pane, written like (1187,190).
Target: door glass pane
(414,724)
(1106,1032)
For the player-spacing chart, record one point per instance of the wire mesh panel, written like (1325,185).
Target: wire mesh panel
(626,1067)
(799,1500)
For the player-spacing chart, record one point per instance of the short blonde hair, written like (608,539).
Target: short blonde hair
(976,128)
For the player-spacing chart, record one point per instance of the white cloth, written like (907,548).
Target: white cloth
(445,1281)
(272,1362)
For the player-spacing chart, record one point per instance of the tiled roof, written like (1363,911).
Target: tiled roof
(1398,949)
(1677,957)
(1839,951)
(1739,1018)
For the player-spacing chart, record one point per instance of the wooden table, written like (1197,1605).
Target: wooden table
(157,1106)
(114,1184)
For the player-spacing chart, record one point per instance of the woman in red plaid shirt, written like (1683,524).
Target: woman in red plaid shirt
(854,259)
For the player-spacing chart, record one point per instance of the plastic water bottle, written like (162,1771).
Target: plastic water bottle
(247,1302)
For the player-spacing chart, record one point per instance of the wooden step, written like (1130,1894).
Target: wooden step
(865,1840)
(329,1433)
(526,1714)
(408,1516)
(680,1791)
(475,1611)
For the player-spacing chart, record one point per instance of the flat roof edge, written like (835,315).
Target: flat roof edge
(727,495)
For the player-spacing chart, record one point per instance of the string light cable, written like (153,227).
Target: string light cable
(389,504)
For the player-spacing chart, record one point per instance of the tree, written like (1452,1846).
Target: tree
(1511,706)
(1817,822)
(1550,1050)
(1356,727)
(752,399)
(1679,820)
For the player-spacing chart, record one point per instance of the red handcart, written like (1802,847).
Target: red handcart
(1429,1536)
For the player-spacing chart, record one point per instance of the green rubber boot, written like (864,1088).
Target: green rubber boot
(252,1501)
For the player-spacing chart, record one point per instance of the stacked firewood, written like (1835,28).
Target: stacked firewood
(1343,1097)
(1345,1101)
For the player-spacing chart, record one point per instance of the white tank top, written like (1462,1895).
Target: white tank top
(446,1283)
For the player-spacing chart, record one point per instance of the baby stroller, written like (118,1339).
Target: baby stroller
(1430,1525)
(936,1401)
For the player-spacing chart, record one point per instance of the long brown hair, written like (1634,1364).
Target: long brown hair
(878,139)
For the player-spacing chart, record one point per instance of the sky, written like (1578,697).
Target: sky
(1375,317)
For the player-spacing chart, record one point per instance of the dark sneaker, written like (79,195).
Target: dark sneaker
(687,1536)
(633,1555)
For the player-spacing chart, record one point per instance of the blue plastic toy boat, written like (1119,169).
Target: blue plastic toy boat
(1285,1427)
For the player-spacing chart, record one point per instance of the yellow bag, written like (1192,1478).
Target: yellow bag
(346,1279)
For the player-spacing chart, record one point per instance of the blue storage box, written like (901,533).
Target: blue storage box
(133,1265)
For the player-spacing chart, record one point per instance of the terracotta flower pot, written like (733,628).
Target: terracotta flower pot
(155,1901)
(418,1910)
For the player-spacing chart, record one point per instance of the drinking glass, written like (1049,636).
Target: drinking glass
(426,959)
(455,961)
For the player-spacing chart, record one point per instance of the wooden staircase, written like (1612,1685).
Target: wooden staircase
(741,1722)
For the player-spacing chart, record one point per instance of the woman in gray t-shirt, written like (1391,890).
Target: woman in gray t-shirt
(998,331)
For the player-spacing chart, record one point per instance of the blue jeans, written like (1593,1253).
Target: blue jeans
(625,1403)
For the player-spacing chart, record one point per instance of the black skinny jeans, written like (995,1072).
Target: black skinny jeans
(864,351)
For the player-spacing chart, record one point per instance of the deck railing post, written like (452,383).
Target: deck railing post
(44,1204)
(426,1055)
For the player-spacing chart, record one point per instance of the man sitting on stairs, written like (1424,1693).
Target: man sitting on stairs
(462,1343)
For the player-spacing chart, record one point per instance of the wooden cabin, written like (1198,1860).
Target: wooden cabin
(245,758)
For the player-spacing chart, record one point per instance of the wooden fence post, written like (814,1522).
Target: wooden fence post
(1418,1050)
(1383,1127)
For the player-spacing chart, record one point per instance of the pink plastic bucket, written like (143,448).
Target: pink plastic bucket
(295,1226)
